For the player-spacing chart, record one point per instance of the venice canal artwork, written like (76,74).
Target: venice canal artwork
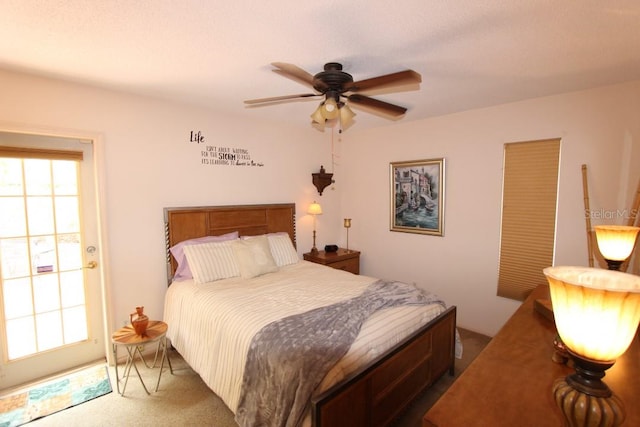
(416,196)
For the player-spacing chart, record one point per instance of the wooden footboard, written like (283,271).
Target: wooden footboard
(376,395)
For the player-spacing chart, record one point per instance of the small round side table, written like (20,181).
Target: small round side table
(127,338)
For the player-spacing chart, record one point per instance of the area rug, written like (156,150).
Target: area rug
(52,396)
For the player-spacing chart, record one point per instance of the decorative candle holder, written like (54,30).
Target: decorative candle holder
(347,225)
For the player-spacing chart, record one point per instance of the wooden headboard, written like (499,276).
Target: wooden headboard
(248,220)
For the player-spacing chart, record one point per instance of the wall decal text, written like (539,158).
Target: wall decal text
(212,155)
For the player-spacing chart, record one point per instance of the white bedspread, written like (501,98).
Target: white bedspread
(212,324)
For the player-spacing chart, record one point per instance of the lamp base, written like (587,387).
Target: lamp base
(583,410)
(314,251)
(584,399)
(613,264)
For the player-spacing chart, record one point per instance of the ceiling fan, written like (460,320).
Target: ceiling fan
(338,87)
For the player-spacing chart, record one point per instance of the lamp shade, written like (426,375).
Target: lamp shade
(616,242)
(596,311)
(346,116)
(329,109)
(317,116)
(314,209)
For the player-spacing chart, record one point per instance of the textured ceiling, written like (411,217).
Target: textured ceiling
(217,53)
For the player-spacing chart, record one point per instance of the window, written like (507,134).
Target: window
(529,199)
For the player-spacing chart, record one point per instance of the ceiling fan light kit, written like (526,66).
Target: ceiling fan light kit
(338,87)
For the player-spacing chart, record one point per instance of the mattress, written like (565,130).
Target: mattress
(212,324)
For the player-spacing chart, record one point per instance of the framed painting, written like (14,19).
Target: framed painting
(417,196)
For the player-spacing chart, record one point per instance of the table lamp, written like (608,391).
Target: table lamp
(616,242)
(314,209)
(347,225)
(596,313)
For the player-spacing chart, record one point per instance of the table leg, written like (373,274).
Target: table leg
(131,355)
(163,343)
(115,358)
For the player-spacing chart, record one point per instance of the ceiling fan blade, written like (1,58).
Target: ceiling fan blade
(279,98)
(293,72)
(377,106)
(401,78)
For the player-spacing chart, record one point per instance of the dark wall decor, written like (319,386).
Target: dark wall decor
(322,179)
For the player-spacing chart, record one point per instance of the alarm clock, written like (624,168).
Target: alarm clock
(331,248)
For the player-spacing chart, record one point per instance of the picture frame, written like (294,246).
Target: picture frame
(417,194)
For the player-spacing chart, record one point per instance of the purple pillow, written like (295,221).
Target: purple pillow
(183,272)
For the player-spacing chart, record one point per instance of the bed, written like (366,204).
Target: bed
(379,376)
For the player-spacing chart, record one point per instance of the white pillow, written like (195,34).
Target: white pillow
(211,261)
(253,256)
(282,249)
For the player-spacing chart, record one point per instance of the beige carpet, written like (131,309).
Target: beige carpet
(184,400)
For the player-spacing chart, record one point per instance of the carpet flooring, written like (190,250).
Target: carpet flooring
(184,400)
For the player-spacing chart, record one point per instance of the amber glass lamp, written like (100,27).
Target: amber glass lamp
(314,209)
(616,242)
(596,313)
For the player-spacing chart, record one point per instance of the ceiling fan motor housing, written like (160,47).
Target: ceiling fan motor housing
(332,80)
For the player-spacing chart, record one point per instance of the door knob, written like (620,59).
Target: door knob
(91,264)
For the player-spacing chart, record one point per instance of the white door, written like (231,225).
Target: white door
(51,308)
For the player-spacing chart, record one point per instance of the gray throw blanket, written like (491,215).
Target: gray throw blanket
(288,358)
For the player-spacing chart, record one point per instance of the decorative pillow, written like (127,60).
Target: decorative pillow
(212,261)
(282,249)
(253,256)
(183,272)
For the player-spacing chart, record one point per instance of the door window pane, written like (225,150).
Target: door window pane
(65,178)
(40,215)
(21,337)
(15,257)
(43,255)
(70,252)
(17,298)
(67,216)
(75,324)
(72,288)
(37,175)
(10,177)
(46,293)
(13,221)
(49,330)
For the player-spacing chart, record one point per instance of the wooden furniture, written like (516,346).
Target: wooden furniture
(341,260)
(248,220)
(126,337)
(509,383)
(378,392)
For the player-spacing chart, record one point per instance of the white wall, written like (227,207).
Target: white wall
(148,163)
(599,128)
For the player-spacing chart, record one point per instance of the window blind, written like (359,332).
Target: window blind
(529,199)
(40,153)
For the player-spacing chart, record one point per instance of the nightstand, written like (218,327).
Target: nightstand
(341,260)
(127,338)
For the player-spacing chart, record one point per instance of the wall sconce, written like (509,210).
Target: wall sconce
(596,313)
(322,179)
(616,242)
(347,225)
(314,209)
